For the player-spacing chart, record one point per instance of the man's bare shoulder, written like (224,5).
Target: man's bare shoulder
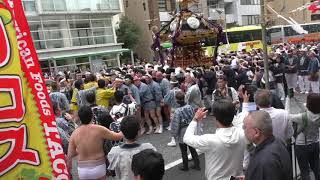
(85,127)
(98,127)
(75,132)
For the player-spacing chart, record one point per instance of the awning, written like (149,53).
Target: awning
(80,54)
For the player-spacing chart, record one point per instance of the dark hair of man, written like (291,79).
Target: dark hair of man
(250,91)
(143,72)
(78,84)
(86,80)
(85,114)
(180,98)
(118,96)
(161,70)
(263,98)
(130,127)
(224,111)
(313,100)
(180,77)
(91,97)
(148,164)
(104,119)
(128,76)
(101,83)
(92,77)
(54,86)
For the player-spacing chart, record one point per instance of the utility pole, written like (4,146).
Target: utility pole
(264,42)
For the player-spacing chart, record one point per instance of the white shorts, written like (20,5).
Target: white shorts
(93,169)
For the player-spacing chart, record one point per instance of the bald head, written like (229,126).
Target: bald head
(159,76)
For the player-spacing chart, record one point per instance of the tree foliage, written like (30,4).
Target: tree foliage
(128,33)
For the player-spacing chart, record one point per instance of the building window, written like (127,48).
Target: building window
(315,17)
(127,3)
(47,5)
(250,2)
(162,5)
(70,30)
(60,5)
(250,20)
(79,5)
(114,4)
(29,5)
(81,33)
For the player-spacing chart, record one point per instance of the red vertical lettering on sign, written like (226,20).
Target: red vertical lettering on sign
(4,44)
(18,152)
(14,112)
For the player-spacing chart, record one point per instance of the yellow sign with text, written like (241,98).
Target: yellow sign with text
(30,146)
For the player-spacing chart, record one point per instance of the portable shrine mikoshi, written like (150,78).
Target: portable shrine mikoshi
(186,33)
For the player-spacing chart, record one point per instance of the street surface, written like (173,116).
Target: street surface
(172,155)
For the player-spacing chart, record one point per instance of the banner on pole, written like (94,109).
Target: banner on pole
(30,146)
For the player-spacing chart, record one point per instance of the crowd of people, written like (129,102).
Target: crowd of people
(101,115)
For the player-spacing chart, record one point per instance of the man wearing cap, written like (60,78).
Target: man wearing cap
(148,104)
(313,70)
(157,96)
(304,83)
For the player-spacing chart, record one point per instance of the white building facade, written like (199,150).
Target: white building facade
(166,7)
(74,35)
(235,12)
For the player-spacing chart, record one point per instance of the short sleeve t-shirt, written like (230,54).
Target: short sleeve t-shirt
(120,158)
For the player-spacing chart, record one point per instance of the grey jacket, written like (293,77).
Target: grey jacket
(193,97)
(311,133)
(181,119)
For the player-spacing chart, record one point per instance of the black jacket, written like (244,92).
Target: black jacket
(211,80)
(231,76)
(303,65)
(270,161)
(295,63)
(278,71)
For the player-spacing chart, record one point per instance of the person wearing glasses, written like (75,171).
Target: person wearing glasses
(270,159)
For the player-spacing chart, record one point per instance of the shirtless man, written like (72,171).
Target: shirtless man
(86,142)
